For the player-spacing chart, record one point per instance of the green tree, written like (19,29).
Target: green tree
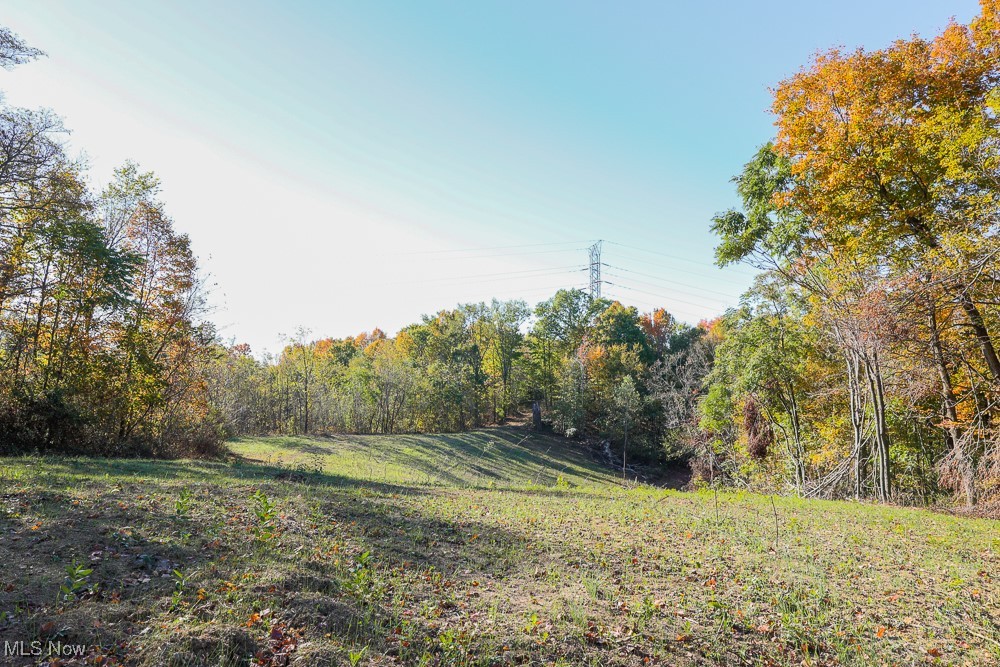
(627,404)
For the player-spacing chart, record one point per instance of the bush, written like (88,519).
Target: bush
(44,424)
(52,424)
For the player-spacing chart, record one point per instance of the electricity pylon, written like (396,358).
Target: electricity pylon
(595,270)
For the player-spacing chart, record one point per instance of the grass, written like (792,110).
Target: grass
(496,458)
(488,548)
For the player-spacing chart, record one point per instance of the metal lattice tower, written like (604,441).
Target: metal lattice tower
(595,270)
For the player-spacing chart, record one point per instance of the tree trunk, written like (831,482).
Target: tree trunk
(982,335)
(883,478)
(948,406)
(624,450)
(859,446)
(799,462)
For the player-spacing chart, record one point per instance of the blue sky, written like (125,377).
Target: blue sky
(335,162)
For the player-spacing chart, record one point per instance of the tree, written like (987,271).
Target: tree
(627,403)
(300,359)
(560,326)
(505,321)
(569,407)
(14,51)
(764,359)
(877,204)
(677,383)
(102,345)
(863,134)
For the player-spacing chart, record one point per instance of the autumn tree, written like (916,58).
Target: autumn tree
(102,343)
(877,202)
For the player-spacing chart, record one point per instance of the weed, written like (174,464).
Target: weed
(77,582)
(183,503)
(645,613)
(266,513)
(180,582)
(361,579)
(531,624)
(355,656)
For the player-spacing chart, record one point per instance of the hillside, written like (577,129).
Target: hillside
(497,457)
(487,548)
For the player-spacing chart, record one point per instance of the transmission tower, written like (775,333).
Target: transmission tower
(595,270)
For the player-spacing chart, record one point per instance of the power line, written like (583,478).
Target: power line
(659,296)
(503,279)
(554,270)
(689,295)
(594,269)
(734,269)
(677,310)
(665,280)
(531,292)
(651,305)
(496,247)
(507,254)
(709,271)
(488,248)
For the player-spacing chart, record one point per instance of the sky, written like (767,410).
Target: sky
(346,165)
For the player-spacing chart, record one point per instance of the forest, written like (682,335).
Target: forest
(863,363)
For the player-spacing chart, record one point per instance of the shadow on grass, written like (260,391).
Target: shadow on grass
(313,444)
(502,455)
(112,516)
(499,455)
(239,469)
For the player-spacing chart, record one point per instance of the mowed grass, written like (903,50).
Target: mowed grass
(495,458)
(490,548)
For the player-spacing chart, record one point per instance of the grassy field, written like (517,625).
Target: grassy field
(490,548)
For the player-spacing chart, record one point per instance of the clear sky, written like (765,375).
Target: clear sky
(337,163)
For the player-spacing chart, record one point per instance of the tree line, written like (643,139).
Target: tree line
(596,366)
(866,353)
(102,348)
